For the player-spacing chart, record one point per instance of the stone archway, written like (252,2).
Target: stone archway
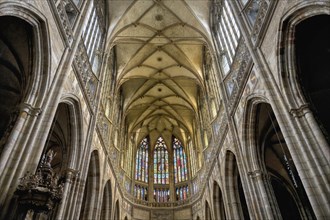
(17,54)
(92,189)
(117,210)
(234,189)
(24,66)
(208,215)
(309,135)
(107,201)
(218,204)
(276,162)
(312,55)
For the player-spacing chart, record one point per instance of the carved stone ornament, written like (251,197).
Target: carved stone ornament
(41,191)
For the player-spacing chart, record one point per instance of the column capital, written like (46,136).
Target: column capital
(29,109)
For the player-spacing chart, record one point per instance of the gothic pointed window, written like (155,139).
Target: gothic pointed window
(141,171)
(161,168)
(180,162)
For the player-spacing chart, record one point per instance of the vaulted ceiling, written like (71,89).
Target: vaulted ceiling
(159,53)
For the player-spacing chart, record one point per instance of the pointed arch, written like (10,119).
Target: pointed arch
(25,63)
(180,161)
(92,188)
(303,62)
(276,162)
(142,161)
(117,210)
(161,165)
(107,201)
(208,215)
(218,203)
(234,189)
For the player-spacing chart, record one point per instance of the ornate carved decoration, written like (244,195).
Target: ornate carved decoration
(104,128)
(68,13)
(40,192)
(238,73)
(85,72)
(262,11)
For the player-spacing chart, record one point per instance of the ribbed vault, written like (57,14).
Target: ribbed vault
(159,53)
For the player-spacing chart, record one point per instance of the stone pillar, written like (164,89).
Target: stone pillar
(264,205)
(309,159)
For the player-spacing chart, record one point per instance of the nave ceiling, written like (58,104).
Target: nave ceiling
(159,49)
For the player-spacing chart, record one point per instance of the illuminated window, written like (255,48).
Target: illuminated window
(94,33)
(161,174)
(227,35)
(141,192)
(181,192)
(161,195)
(180,162)
(141,171)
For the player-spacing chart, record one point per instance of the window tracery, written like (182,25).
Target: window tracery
(161,195)
(226,33)
(180,162)
(161,168)
(141,192)
(141,171)
(182,192)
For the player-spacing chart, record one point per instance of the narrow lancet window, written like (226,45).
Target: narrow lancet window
(161,169)
(180,162)
(141,171)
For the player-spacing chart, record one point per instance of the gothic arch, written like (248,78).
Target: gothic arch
(107,201)
(296,91)
(281,182)
(208,215)
(63,133)
(76,131)
(233,188)
(117,210)
(218,203)
(42,57)
(25,62)
(248,128)
(92,188)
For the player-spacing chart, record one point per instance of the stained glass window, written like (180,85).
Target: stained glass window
(182,192)
(161,195)
(141,192)
(180,162)
(141,171)
(161,174)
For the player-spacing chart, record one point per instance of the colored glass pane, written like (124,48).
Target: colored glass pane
(161,162)
(180,162)
(141,171)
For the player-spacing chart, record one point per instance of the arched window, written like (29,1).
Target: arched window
(158,161)
(161,174)
(180,162)
(141,168)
